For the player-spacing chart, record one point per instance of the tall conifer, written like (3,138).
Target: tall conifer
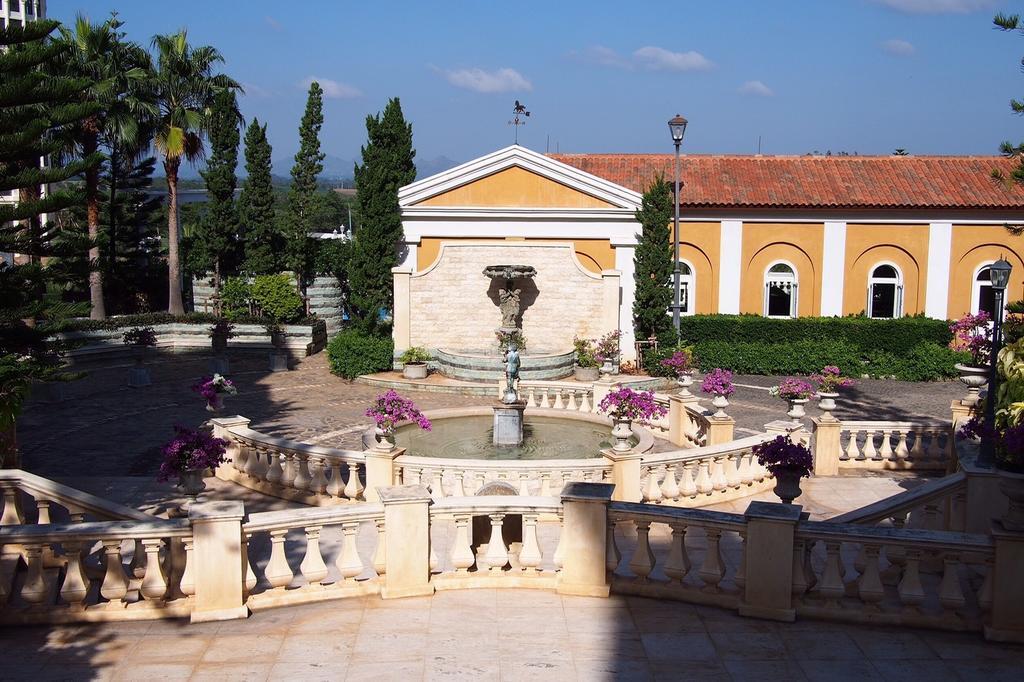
(263,241)
(653,261)
(387,166)
(298,248)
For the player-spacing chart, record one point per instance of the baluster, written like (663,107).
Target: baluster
(278,573)
(34,590)
(252,461)
(12,507)
(137,567)
(250,575)
(545,484)
(910,589)
(951,595)
(302,476)
(432,562)
(803,579)
(869,446)
(42,511)
(318,481)
(349,564)
(678,563)
(76,585)
(731,471)
(642,562)
(985,593)
(704,485)
(901,445)
(652,491)
(740,578)
(497,554)
(289,470)
(687,485)
(559,548)
(544,398)
(718,480)
(459,489)
(712,569)
(336,486)
(934,453)
(831,586)
(530,555)
(571,404)
(437,485)
(531,400)
(885,454)
(413,474)
(354,487)
(612,555)
(917,449)
(524,482)
(275,471)
(745,475)
(585,401)
(313,568)
(462,556)
(239,455)
(852,451)
(115,582)
(154,585)
(380,554)
(559,405)
(869,584)
(669,487)
(187,582)
(947,448)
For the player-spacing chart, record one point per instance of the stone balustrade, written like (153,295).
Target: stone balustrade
(935,505)
(461,477)
(28,498)
(555,395)
(920,445)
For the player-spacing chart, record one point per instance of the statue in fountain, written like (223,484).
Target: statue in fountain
(509,306)
(508,296)
(511,358)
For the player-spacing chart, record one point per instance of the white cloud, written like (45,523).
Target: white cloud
(898,48)
(332,89)
(601,56)
(478,80)
(939,6)
(665,60)
(756,88)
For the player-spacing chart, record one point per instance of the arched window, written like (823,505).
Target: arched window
(687,288)
(885,292)
(982,296)
(780,290)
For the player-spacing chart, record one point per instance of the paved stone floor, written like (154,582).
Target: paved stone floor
(500,635)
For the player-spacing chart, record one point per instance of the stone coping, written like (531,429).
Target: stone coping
(438,383)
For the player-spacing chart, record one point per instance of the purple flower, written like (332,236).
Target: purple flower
(782,453)
(718,382)
(830,378)
(638,406)
(972,334)
(211,386)
(190,450)
(680,362)
(792,388)
(390,408)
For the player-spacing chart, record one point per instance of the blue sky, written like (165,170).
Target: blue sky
(931,76)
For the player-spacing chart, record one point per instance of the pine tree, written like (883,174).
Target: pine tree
(38,112)
(215,242)
(387,166)
(1011,22)
(263,242)
(298,247)
(653,261)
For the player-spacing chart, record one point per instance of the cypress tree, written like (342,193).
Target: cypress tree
(387,166)
(38,112)
(653,261)
(262,241)
(298,223)
(216,240)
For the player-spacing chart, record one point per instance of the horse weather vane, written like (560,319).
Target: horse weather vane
(519,116)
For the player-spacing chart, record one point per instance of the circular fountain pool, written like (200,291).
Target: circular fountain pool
(547,434)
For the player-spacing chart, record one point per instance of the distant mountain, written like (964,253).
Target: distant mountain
(427,167)
(335,168)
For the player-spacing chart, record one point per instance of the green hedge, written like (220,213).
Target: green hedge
(352,353)
(146,319)
(893,336)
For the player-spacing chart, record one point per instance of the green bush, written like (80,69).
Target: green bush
(798,357)
(415,354)
(276,298)
(148,319)
(234,297)
(353,352)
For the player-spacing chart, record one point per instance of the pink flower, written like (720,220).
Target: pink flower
(639,406)
(390,408)
(718,382)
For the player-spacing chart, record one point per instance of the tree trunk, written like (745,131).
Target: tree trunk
(174,304)
(92,211)
(112,255)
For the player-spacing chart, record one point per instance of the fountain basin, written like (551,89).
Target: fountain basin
(466,434)
(481,366)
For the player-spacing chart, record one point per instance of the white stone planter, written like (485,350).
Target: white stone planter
(586,374)
(827,403)
(973,378)
(787,484)
(796,408)
(684,382)
(622,431)
(385,438)
(216,405)
(720,402)
(414,370)
(1011,484)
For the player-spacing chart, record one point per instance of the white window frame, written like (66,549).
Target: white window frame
(688,283)
(898,281)
(976,286)
(792,279)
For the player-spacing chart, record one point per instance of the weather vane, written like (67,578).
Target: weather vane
(518,119)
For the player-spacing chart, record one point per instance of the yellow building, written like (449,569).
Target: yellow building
(777,236)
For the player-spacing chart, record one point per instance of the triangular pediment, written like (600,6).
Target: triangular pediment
(513,178)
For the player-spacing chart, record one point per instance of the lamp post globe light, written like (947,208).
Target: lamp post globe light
(676,126)
(999,274)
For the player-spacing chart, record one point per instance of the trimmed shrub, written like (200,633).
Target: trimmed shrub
(276,298)
(148,319)
(234,297)
(799,357)
(353,352)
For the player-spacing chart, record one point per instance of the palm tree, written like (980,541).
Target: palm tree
(185,86)
(117,72)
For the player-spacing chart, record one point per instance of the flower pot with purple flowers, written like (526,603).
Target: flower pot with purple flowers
(788,462)
(797,392)
(388,410)
(213,389)
(718,382)
(606,351)
(186,457)
(829,379)
(680,363)
(972,334)
(625,406)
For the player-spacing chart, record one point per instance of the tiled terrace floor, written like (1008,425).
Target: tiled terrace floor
(504,635)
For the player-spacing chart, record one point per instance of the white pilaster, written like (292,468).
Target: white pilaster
(730,267)
(624,264)
(833,269)
(410,256)
(940,245)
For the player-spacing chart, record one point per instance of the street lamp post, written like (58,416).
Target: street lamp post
(677,126)
(999,274)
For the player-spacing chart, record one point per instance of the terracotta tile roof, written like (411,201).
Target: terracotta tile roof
(723,181)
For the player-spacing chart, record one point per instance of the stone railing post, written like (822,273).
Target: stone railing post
(380,470)
(584,536)
(961,411)
(720,429)
(610,299)
(221,429)
(407,540)
(768,554)
(679,418)
(625,474)
(218,557)
(401,329)
(984,500)
(1007,589)
(825,440)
